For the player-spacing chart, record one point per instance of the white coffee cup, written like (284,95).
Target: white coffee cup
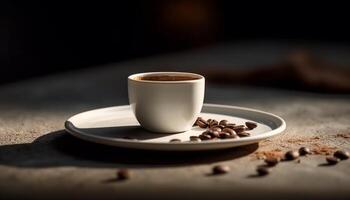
(166,106)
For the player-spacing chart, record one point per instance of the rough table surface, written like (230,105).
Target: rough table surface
(39,159)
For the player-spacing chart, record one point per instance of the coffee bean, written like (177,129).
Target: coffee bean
(175,140)
(223,122)
(304,151)
(209,120)
(221,169)
(230,125)
(251,125)
(291,155)
(272,161)
(341,154)
(213,123)
(214,134)
(224,135)
(243,134)
(201,122)
(123,174)
(332,160)
(229,130)
(263,171)
(205,137)
(195,139)
(216,128)
(239,128)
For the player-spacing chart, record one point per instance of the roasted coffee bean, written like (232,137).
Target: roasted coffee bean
(332,160)
(216,128)
(239,128)
(219,126)
(223,122)
(251,125)
(341,154)
(304,151)
(243,134)
(214,134)
(175,140)
(221,169)
(209,120)
(195,139)
(123,174)
(224,135)
(262,171)
(230,131)
(202,123)
(213,123)
(272,161)
(205,137)
(291,155)
(230,125)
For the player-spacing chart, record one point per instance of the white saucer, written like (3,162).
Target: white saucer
(110,125)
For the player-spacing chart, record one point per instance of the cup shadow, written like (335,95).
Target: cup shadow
(59,148)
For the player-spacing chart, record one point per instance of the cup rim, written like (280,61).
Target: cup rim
(198,76)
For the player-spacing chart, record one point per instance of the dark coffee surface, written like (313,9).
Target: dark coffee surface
(166,78)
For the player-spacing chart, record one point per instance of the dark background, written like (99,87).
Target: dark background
(43,37)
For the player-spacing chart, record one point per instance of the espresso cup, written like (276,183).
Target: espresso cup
(166,102)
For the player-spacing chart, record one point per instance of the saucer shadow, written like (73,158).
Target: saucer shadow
(59,148)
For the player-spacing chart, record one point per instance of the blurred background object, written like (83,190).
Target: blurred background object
(45,37)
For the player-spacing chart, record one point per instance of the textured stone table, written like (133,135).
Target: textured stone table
(39,159)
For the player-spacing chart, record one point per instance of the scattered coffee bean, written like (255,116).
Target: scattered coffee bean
(341,154)
(230,125)
(243,134)
(229,130)
(123,174)
(291,155)
(214,134)
(209,120)
(262,171)
(304,151)
(223,122)
(221,169)
(239,128)
(251,125)
(272,161)
(205,137)
(332,160)
(224,135)
(195,139)
(216,128)
(219,126)
(213,123)
(175,140)
(201,122)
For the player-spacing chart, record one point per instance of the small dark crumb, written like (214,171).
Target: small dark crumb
(123,174)
(291,155)
(341,154)
(332,160)
(304,151)
(271,161)
(221,169)
(175,140)
(262,171)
